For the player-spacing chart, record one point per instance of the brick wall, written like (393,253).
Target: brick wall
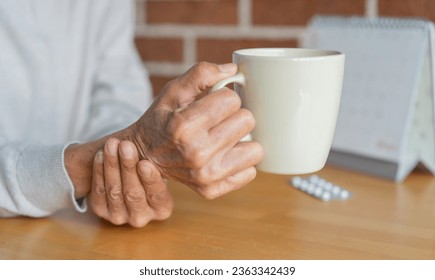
(172,35)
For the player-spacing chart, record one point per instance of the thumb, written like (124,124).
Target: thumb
(186,88)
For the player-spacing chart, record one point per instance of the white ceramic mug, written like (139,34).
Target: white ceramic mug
(294,95)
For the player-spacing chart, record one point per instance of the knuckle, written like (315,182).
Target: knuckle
(128,164)
(232,99)
(169,86)
(201,68)
(134,196)
(200,73)
(112,161)
(178,128)
(139,221)
(117,220)
(115,193)
(248,117)
(98,171)
(209,193)
(157,198)
(258,152)
(100,190)
(198,158)
(253,154)
(205,186)
(201,177)
(182,134)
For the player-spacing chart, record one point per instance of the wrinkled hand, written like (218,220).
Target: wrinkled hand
(193,137)
(126,190)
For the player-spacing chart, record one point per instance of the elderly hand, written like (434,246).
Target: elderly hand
(126,190)
(194,137)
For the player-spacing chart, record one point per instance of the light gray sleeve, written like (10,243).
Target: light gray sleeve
(33,180)
(121,89)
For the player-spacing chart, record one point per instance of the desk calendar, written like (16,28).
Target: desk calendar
(386,122)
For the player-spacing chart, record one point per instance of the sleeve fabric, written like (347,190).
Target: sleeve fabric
(105,89)
(121,91)
(34,181)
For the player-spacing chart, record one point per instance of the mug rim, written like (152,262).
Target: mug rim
(287,53)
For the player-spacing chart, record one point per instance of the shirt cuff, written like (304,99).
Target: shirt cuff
(45,181)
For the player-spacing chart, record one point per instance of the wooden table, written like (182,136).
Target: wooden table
(267,219)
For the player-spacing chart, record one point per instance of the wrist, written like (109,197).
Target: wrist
(78,169)
(135,133)
(79,158)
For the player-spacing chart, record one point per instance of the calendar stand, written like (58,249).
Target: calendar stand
(386,122)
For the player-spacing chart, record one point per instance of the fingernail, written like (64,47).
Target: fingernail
(100,157)
(228,67)
(112,148)
(145,170)
(127,151)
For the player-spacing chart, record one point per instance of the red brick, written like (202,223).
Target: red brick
(158,83)
(220,51)
(156,49)
(299,12)
(216,12)
(407,8)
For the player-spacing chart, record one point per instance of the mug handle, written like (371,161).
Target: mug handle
(239,78)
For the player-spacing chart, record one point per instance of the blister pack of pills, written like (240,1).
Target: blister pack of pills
(320,188)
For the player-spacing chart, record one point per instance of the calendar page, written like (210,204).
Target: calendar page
(384,62)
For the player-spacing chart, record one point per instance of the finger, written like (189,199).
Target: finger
(243,177)
(190,128)
(229,184)
(135,199)
(113,182)
(242,156)
(203,180)
(200,77)
(158,196)
(228,133)
(212,109)
(220,139)
(97,197)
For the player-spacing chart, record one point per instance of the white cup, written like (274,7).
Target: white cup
(294,95)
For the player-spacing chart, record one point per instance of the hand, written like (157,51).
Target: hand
(194,137)
(126,190)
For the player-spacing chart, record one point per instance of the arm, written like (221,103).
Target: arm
(33,181)
(189,135)
(34,176)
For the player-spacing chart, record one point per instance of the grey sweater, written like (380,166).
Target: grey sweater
(69,72)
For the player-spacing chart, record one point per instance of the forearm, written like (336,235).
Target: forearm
(33,179)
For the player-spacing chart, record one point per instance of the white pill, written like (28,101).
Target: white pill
(318,192)
(344,194)
(304,185)
(326,196)
(336,190)
(311,188)
(314,179)
(321,182)
(328,186)
(320,188)
(296,182)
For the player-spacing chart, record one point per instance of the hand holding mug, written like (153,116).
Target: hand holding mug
(194,137)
